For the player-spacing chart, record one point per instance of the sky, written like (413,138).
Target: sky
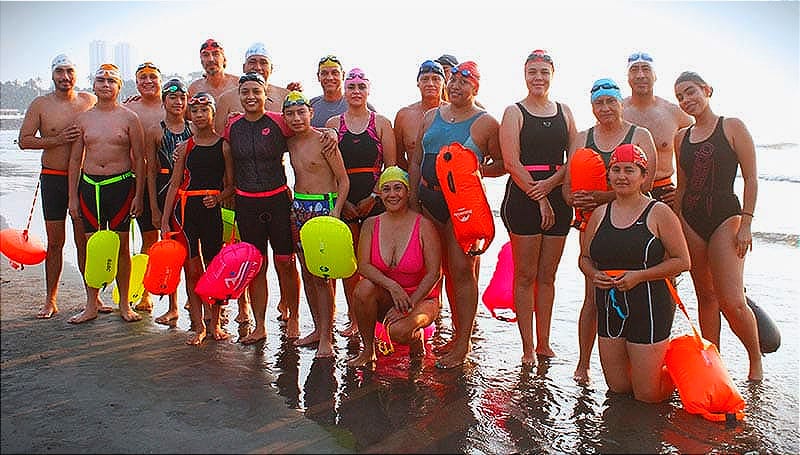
(748,51)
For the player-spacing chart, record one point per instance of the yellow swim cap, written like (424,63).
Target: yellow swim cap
(393,173)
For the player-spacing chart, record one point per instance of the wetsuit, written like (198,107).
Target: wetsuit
(106,200)
(362,154)
(169,141)
(710,168)
(410,269)
(643,314)
(262,198)
(438,135)
(55,194)
(543,144)
(203,175)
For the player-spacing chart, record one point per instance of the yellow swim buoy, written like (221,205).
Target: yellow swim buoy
(102,250)
(328,247)
(136,286)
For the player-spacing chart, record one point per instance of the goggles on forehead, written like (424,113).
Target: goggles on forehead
(356,75)
(539,55)
(147,65)
(295,98)
(465,72)
(429,66)
(330,59)
(252,77)
(202,98)
(604,86)
(210,44)
(643,56)
(172,86)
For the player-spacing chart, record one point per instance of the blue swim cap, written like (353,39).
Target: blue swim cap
(605,87)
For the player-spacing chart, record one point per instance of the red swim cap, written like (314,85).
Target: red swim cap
(628,153)
(469,70)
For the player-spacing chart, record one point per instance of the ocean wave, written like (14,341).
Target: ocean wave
(778,237)
(778,146)
(779,178)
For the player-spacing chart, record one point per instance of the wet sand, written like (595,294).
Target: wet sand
(107,386)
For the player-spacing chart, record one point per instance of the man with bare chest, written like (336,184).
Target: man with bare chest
(53,116)
(408,121)
(215,81)
(102,190)
(662,118)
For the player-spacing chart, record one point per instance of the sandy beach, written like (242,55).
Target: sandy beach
(107,386)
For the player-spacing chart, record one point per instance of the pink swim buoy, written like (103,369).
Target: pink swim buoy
(230,272)
(499,295)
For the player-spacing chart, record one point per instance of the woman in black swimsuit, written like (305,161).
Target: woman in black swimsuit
(716,227)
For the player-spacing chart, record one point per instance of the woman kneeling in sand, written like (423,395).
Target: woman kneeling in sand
(399,257)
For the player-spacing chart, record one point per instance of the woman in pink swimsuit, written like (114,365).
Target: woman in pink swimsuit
(399,257)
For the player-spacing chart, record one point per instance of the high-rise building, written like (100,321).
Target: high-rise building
(98,54)
(124,60)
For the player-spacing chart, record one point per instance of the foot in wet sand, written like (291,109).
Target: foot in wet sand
(545,352)
(197,338)
(363,360)
(254,337)
(417,347)
(324,350)
(83,316)
(455,358)
(47,312)
(350,330)
(284,310)
(220,334)
(444,348)
(581,376)
(168,318)
(528,361)
(311,338)
(292,328)
(130,315)
(145,305)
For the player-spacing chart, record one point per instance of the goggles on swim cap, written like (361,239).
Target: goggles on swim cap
(639,57)
(148,67)
(109,70)
(468,70)
(211,44)
(539,55)
(329,60)
(429,66)
(605,87)
(295,98)
(172,86)
(252,77)
(203,98)
(356,76)
(61,60)
(393,173)
(628,153)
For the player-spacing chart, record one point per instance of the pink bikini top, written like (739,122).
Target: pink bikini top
(410,270)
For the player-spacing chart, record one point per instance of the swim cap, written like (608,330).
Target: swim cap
(295,98)
(605,87)
(447,59)
(203,98)
(355,76)
(430,66)
(211,43)
(540,55)
(257,49)
(148,68)
(640,57)
(392,174)
(469,70)
(330,61)
(691,76)
(254,77)
(109,70)
(171,86)
(61,60)
(628,153)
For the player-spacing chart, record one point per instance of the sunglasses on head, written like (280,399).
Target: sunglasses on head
(210,44)
(539,55)
(604,86)
(465,72)
(202,99)
(640,56)
(148,65)
(429,66)
(252,77)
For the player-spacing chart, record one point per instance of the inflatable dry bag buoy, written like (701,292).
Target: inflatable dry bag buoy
(458,171)
(769,337)
(21,247)
(587,172)
(328,247)
(164,266)
(136,286)
(102,254)
(499,294)
(230,272)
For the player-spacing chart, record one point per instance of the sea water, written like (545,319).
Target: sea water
(493,404)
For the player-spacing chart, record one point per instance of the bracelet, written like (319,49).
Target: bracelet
(748,214)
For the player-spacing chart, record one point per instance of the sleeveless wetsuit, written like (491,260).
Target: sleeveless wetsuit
(202,175)
(438,135)
(55,194)
(362,154)
(410,269)
(543,145)
(643,314)
(262,197)
(169,141)
(710,169)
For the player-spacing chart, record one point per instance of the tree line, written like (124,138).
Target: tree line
(19,95)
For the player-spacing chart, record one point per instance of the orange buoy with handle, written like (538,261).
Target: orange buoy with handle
(164,265)
(587,172)
(21,247)
(458,171)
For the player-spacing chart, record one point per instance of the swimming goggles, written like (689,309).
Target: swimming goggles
(330,59)
(429,66)
(465,72)
(210,43)
(202,98)
(147,65)
(539,54)
(356,75)
(295,98)
(174,85)
(252,77)
(604,86)
(640,56)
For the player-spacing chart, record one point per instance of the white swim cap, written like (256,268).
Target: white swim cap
(257,49)
(61,60)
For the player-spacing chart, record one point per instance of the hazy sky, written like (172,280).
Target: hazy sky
(749,51)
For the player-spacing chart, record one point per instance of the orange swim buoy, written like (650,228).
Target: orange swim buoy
(164,266)
(458,171)
(21,247)
(587,172)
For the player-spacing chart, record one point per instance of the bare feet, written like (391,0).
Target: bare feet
(130,315)
(756,374)
(311,338)
(454,358)
(254,337)
(146,304)
(220,334)
(350,330)
(242,318)
(581,376)
(197,338)
(528,360)
(417,346)
(104,308)
(83,316)
(168,318)
(292,328)
(284,310)
(47,312)
(363,360)
(444,348)
(244,330)
(545,352)
(324,350)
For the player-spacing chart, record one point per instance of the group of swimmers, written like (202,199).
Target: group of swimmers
(175,154)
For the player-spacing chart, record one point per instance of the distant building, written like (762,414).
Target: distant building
(98,54)
(123,58)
